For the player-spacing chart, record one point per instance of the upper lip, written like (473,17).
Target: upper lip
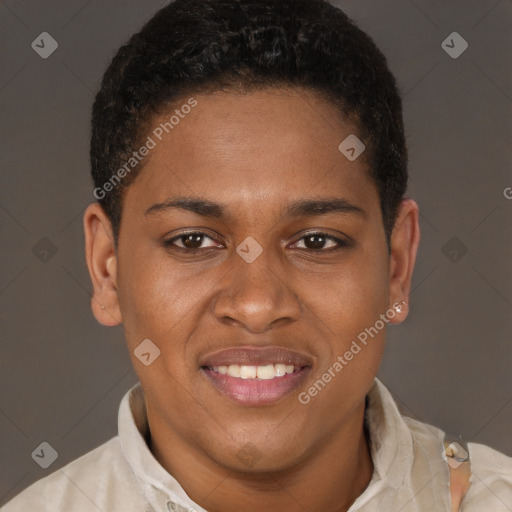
(256,356)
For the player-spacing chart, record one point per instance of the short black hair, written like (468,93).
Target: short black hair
(194,46)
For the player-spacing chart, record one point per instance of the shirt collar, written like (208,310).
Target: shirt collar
(133,428)
(391,444)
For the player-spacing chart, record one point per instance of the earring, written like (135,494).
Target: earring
(102,306)
(398,307)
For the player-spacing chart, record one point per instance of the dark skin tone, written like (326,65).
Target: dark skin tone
(254,154)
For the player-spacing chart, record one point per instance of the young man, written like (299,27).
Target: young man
(252,236)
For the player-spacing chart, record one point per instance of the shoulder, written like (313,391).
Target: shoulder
(101,479)
(491,470)
(491,480)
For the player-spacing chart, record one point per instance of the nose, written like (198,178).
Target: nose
(256,295)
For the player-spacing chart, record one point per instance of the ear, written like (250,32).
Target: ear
(101,259)
(405,239)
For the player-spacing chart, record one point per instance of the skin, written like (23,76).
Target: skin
(254,154)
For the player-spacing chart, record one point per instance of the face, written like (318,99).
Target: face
(272,263)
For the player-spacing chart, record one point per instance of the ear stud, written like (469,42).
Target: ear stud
(399,307)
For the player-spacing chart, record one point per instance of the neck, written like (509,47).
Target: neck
(329,479)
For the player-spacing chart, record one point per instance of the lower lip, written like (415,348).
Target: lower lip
(254,391)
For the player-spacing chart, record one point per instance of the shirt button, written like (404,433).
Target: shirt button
(173,507)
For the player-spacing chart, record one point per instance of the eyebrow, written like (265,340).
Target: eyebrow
(300,208)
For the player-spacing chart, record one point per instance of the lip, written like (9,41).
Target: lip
(256,356)
(255,392)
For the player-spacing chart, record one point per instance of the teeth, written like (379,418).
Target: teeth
(280,370)
(267,372)
(233,370)
(247,372)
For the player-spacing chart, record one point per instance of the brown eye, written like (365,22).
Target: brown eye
(191,241)
(315,241)
(318,241)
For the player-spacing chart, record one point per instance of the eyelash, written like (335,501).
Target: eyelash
(169,243)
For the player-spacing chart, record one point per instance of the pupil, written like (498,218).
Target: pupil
(319,244)
(191,239)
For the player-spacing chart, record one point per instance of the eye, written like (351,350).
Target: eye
(190,241)
(317,242)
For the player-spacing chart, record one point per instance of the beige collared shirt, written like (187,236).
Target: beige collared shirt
(410,474)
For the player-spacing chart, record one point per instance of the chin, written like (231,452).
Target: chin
(258,455)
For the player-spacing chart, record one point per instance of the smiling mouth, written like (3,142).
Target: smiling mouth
(256,385)
(256,375)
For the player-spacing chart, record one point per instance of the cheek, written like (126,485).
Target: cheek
(347,306)
(158,304)
(352,296)
(155,298)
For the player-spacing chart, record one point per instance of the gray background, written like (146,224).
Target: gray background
(63,375)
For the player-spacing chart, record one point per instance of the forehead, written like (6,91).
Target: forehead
(266,145)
